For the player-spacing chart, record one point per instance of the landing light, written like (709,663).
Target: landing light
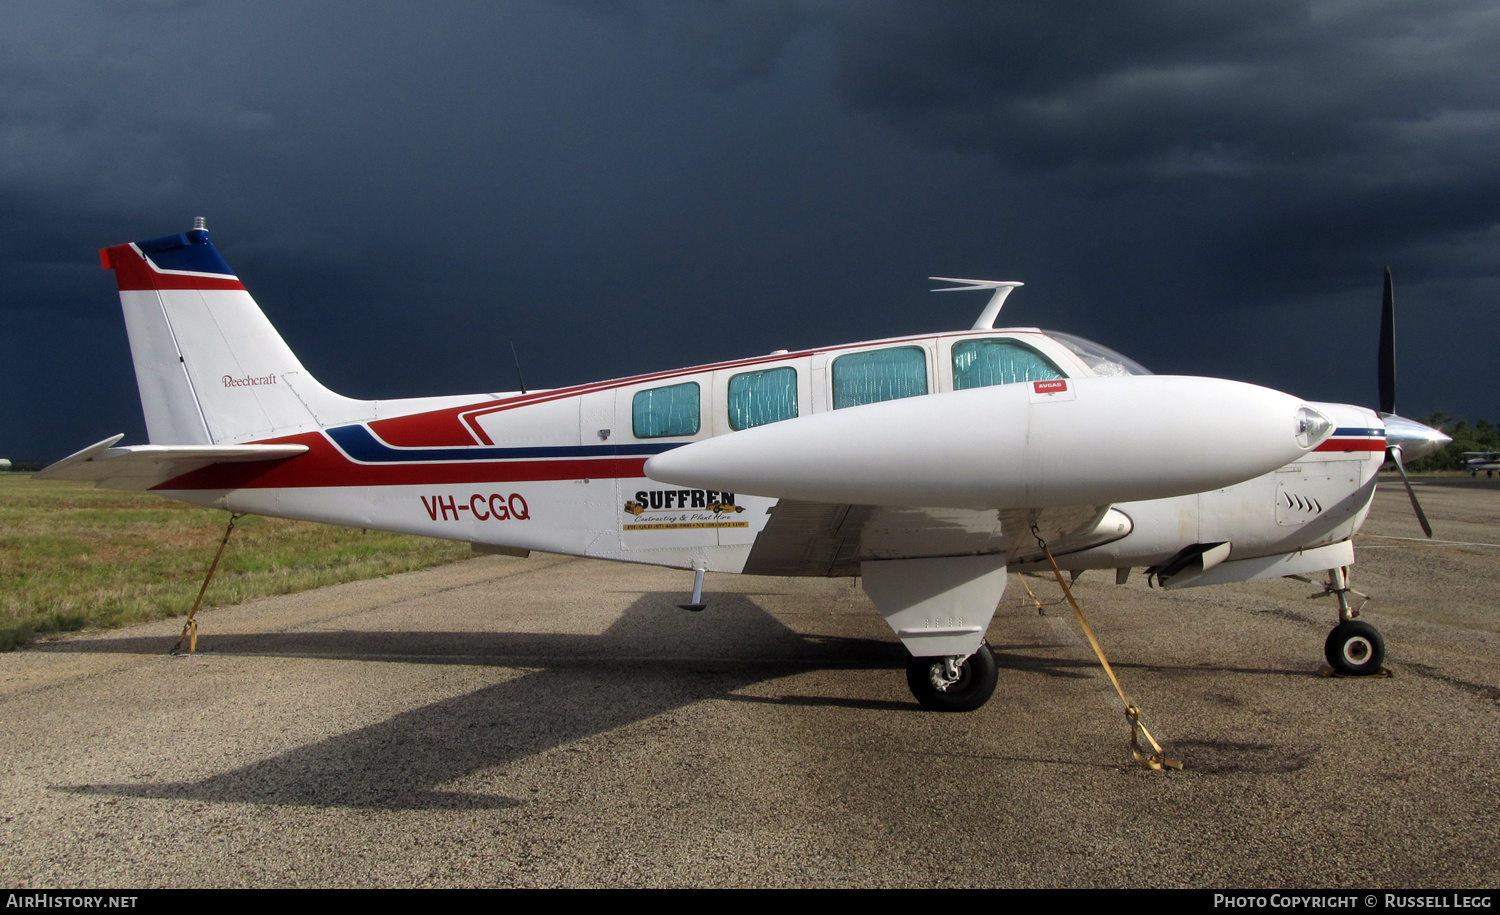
(1312,427)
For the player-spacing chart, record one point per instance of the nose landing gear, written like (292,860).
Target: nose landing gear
(1354,648)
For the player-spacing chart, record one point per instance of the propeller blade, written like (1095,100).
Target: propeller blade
(1422,440)
(1387,367)
(1394,454)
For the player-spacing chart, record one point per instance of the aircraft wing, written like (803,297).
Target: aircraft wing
(832,539)
(140,467)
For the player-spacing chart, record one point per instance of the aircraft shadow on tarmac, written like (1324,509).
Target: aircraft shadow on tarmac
(585,685)
(642,666)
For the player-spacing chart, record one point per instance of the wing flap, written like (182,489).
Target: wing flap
(140,467)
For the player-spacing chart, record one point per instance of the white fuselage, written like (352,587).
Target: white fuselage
(926,465)
(560,471)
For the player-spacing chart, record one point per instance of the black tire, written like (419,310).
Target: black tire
(975,685)
(1355,649)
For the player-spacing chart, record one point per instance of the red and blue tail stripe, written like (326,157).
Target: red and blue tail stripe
(187,260)
(360,444)
(353,456)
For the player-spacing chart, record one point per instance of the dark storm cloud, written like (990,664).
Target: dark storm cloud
(727,43)
(1161,90)
(1320,127)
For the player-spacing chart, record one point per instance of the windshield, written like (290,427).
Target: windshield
(1101,360)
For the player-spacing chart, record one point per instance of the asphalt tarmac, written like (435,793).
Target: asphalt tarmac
(559,722)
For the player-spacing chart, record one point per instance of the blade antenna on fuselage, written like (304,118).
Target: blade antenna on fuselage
(991,311)
(513,355)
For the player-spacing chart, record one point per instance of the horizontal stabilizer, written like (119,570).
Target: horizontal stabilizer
(144,466)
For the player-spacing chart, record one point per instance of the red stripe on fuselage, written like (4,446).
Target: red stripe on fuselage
(325,465)
(424,430)
(1352,444)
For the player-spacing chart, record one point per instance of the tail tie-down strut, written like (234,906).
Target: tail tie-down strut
(190,625)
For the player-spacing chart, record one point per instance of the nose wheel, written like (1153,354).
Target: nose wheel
(1355,649)
(953,684)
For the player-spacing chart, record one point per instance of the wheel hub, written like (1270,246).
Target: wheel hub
(1358,650)
(947,674)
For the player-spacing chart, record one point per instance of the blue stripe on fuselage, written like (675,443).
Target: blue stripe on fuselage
(360,444)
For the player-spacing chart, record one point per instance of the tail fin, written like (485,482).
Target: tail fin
(211,368)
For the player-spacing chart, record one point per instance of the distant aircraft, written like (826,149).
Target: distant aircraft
(1488,461)
(927,465)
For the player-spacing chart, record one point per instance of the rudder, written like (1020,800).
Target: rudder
(210,366)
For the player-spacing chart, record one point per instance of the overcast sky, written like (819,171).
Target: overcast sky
(406,188)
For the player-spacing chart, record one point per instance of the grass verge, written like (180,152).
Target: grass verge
(73,557)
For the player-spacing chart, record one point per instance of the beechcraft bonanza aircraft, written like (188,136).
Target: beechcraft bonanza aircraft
(927,465)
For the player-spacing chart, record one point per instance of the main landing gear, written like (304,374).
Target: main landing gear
(955,683)
(1354,648)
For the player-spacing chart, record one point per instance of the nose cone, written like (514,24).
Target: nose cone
(1413,438)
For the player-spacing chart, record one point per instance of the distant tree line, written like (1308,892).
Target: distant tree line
(1482,436)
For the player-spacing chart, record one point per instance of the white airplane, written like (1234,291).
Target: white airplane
(1488,461)
(929,465)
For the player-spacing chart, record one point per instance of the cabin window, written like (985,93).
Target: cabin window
(882,374)
(659,412)
(758,398)
(991,361)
